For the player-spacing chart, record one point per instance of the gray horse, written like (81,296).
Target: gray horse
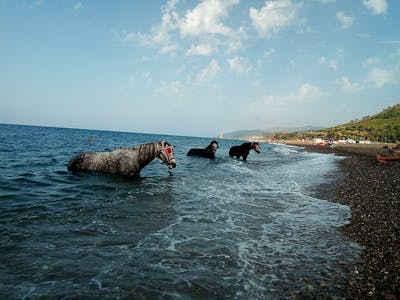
(124,161)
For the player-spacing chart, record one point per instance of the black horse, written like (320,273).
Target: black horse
(243,150)
(208,152)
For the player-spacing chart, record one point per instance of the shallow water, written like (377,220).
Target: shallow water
(215,229)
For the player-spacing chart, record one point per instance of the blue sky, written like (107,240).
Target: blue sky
(197,68)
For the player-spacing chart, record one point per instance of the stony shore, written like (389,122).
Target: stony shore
(372,191)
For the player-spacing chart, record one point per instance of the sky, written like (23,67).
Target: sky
(197,68)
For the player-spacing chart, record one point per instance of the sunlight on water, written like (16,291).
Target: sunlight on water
(215,229)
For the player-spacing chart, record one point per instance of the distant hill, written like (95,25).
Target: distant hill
(265,132)
(244,133)
(381,127)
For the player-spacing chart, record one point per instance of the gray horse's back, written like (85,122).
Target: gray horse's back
(91,161)
(121,161)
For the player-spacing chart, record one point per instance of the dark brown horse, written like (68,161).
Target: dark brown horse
(208,152)
(243,150)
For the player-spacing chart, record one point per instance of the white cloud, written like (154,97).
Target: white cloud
(203,25)
(274,16)
(369,62)
(171,88)
(306,29)
(364,35)
(345,20)
(290,109)
(34,4)
(348,86)
(201,50)
(256,83)
(381,77)
(131,81)
(146,77)
(234,46)
(239,65)
(325,1)
(209,72)
(125,36)
(376,6)
(331,63)
(160,35)
(78,6)
(269,52)
(391,42)
(306,93)
(169,48)
(170,6)
(206,18)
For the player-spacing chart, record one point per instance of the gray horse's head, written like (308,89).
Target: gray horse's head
(167,154)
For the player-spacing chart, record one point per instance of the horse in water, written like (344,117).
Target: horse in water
(126,161)
(208,152)
(243,150)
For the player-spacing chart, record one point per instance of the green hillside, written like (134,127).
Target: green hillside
(382,127)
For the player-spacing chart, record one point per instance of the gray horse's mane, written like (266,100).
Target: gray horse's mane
(127,161)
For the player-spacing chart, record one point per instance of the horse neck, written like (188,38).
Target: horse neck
(147,152)
(247,146)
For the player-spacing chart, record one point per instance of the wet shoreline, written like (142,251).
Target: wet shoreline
(372,191)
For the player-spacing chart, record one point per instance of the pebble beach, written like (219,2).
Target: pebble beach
(372,191)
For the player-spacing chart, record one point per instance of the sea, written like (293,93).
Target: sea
(212,229)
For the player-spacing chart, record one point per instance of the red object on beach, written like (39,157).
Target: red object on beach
(382,158)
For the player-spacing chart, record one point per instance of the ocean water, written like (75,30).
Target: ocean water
(223,229)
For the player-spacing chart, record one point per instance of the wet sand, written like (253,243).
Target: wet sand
(372,191)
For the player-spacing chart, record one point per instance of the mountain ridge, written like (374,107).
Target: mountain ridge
(266,132)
